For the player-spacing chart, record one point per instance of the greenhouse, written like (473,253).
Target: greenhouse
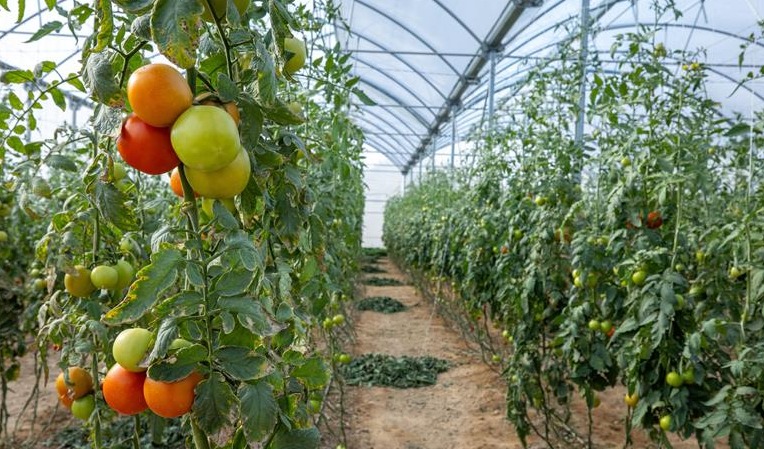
(356,224)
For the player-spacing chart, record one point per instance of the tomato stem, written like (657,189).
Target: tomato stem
(200,438)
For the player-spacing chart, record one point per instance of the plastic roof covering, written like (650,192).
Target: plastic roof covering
(426,61)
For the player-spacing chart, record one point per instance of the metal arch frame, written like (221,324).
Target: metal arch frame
(395,99)
(396,56)
(384,148)
(458,20)
(392,78)
(496,34)
(391,126)
(389,140)
(408,30)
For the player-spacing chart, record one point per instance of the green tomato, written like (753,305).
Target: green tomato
(577,282)
(594,325)
(3,236)
(130,347)
(338,320)
(344,358)
(83,407)
(517,234)
(297,58)
(505,334)
(626,162)
(126,245)
(328,323)
(679,267)
(631,400)
(179,343)
(220,9)
(495,358)
(638,278)
(40,284)
(540,201)
(674,379)
(680,301)
(208,205)
(735,272)
(605,326)
(700,256)
(697,290)
(314,406)
(223,183)
(688,376)
(206,139)
(120,172)
(125,272)
(665,422)
(104,277)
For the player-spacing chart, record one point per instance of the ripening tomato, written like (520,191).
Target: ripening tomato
(104,276)
(171,399)
(631,400)
(79,284)
(209,99)
(226,182)
(654,220)
(125,273)
(176,185)
(146,148)
(130,348)
(83,407)
(220,9)
(205,138)
(80,384)
(158,94)
(123,390)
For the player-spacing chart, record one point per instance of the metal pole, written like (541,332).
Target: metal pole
(434,150)
(582,87)
(491,87)
(453,137)
(420,171)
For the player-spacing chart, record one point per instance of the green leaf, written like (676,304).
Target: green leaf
(280,113)
(214,403)
(110,202)
(241,363)
(363,97)
(58,98)
(178,365)
(314,373)
(99,78)
(258,409)
(224,216)
(150,283)
(61,162)
(105,21)
(227,89)
(250,314)
(167,332)
(50,27)
(16,77)
(296,439)
(176,27)
(234,282)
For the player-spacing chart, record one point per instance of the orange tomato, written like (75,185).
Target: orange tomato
(171,399)
(123,390)
(175,184)
(158,94)
(80,384)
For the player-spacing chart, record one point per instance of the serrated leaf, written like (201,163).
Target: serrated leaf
(214,403)
(167,332)
(135,6)
(99,78)
(176,27)
(258,409)
(314,373)
(17,77)
(48,28)
(250,314)
(296,439)
(150,283)
(363,97)
(105,25)
(110,202)
(234,282)
(178,365)
(227,89)
(61,162)
(241,363)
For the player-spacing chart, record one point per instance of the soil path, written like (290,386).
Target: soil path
(465,409)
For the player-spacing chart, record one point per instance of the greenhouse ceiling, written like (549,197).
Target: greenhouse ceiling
(437,68)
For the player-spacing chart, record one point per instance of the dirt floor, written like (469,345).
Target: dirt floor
(465,409)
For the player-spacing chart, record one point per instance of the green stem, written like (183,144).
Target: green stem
(126,63)
(136,431)
(226,44)
(94,373)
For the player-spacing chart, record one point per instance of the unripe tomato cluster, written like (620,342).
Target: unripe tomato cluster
(128,390)
(167,128)
(82,282)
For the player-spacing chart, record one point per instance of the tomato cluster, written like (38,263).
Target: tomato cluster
(128,390)
(82,281)
(168,127)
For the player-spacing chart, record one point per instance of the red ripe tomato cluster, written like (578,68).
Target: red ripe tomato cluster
(166,129)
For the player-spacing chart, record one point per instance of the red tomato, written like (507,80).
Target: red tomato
(654,220)
(146,148)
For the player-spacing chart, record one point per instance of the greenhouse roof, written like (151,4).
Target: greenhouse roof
(427,62)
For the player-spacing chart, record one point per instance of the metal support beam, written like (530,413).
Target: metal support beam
(434,150)
(584,60)
(491,88)
(453,138)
